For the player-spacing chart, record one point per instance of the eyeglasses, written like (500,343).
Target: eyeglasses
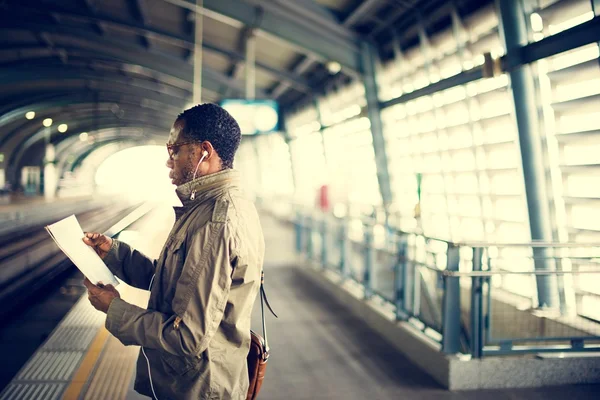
(171,148)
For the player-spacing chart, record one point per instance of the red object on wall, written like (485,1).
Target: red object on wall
(324,198)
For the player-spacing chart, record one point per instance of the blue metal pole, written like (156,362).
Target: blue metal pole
(451,304)
(416,290)
(344,253)
(309,237)
(477,306)
(368,254)
(514,32)
(324,259)
(299,230)
(400,280)
(293,164)
(368,55)
(487,320)
(317,106)
(409,270)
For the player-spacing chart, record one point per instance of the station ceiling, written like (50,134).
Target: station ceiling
(132,60)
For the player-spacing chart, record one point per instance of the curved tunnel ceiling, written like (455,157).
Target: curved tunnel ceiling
(33,147)
(68,112)
(31,131)
(59,58)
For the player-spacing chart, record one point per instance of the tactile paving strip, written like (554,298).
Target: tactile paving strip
(50,366)
(72,338)
(49,371)
(114,372)
(33,391)
(83,314)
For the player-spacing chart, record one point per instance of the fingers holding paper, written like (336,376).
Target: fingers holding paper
(99,242)
(101,295)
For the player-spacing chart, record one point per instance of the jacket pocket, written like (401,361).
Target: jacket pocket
(175,256)
(181,365)
(175,244)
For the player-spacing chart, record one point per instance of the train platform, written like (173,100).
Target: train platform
(426,172)
(18,203)
(320,350)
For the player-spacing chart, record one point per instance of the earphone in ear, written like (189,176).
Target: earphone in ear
(204,155)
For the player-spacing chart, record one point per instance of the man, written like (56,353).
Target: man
(196,330)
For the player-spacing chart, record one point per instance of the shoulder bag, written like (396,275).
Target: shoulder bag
(259,349)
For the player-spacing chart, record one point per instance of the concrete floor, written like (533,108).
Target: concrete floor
(320,351)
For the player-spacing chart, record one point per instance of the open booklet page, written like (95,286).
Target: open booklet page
(68,235)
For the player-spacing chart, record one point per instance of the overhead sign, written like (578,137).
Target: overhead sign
(254,116)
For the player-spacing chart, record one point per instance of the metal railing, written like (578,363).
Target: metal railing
(472,298)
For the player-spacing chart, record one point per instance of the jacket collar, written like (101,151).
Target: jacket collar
(207,187)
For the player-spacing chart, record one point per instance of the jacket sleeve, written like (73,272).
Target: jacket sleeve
(131,266)
(199,303)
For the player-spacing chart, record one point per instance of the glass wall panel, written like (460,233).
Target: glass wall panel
(569,96)
(332,145)
(460,143)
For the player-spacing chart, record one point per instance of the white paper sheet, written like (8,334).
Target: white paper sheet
(68,235)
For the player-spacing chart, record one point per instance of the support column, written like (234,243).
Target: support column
(317,106)
(400,280)
(50,177)
(299,231)
(477,317)
(368,58)
(324,243)
(251,95)
(369,260)
(344,249)
(198,38)
(514,33)
(451,304)
(251,66)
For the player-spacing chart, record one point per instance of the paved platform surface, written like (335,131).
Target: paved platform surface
(319,349)
(19,202)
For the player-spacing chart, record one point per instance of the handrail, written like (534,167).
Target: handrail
(473,274)
(369,222)
(488,273)
(403,289)
(535,244)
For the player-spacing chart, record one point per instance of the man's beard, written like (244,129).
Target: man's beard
(188,171)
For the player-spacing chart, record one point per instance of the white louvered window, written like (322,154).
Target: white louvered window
(309,165)
(338,154)
(246,162)
(569,95)
(306,149)
(275,164)
(349,149)
(462,143)
(462,140)
(265,165)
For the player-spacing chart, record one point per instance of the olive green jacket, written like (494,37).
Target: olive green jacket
(196,330)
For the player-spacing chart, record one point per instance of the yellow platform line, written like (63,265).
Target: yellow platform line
(87,366)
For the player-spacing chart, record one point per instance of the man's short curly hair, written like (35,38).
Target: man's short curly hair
(212,123)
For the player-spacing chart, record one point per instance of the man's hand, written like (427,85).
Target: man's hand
(101,296)
(99,242)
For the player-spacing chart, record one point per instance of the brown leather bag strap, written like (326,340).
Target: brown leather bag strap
(263,295)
